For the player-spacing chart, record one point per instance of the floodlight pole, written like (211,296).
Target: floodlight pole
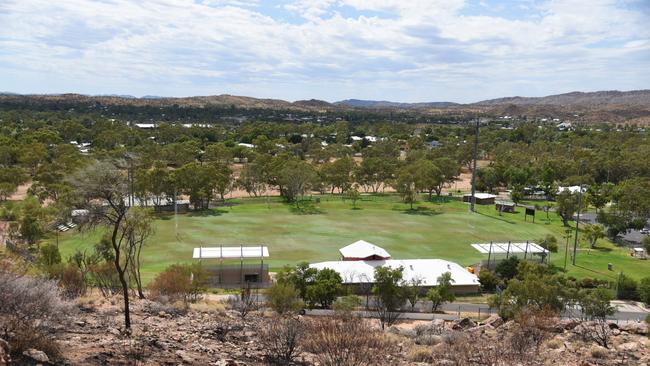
(575,242)
(474,157)
(175,214)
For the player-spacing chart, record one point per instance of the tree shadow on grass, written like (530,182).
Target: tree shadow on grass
(500,218)
(422,211)
(597,249)
(305,208)
(208,213)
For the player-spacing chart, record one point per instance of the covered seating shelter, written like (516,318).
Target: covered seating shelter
(235,275)
(504,250)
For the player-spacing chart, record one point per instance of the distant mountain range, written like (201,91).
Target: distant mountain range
(360,103)
(599,98)
(601,106)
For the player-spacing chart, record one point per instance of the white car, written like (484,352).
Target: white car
(645,231)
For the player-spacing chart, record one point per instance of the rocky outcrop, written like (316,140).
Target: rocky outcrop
(5,358)
(36,355)
(215,336)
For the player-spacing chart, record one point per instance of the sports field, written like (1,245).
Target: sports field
(317,231)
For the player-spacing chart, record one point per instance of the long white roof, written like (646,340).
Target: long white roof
(427,270)
(502,248)
(363,249)
(258,251)
(480,196)
(571,189)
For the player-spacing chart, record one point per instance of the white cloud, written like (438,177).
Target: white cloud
(407,50)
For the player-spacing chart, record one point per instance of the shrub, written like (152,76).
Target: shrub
(49,256)
(644,290)
(489,281)
(345,305)
(627,288)
(283,298)
(351,342)
(31,312)
(324,289)
(534,328)
(549,242)
(179,282)
(598,352)
(244,303)
(72,281)
(589,282)
(389,296)
(281,338)
(105,278)
(420,354)
(507,268)
(554,344)
(429,334)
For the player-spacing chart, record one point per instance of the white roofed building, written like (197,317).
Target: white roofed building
(571,189)
(360,259)
(480,198)
(362,250)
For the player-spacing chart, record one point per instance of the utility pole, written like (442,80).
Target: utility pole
(474,157)
(175,214)
(575,242)
(567,236)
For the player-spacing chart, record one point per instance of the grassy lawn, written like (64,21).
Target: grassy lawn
(433,230)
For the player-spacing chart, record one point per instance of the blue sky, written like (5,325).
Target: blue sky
(400,50)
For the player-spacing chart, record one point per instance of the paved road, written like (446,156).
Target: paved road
(626,311)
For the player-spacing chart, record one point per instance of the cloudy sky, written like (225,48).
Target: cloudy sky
(401,50)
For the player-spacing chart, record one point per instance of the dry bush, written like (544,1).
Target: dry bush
(179,282)
(244,303)
(72,281)
(31,312)
(346,342)
(429,334)
(534,328)
(209,306)
(463,349)
(598,352)
(554,344)
(105,278)
(137,351)
(164,305)
(420,354)
(281,338)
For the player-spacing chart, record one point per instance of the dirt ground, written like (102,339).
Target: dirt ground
(464,183)
(21,192)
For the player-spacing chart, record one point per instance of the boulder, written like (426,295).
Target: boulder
(406,332)
(5,358)
(36,355)
(438,322)
(495,321)
(464,323)
(568,324)
(634,327)
(628,347)
(480,329)
(184,356)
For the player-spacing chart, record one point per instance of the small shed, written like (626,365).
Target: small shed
(481,198)
(503,206)
(638,252)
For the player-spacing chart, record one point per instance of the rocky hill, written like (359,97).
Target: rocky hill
(210,334)
(602,106)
